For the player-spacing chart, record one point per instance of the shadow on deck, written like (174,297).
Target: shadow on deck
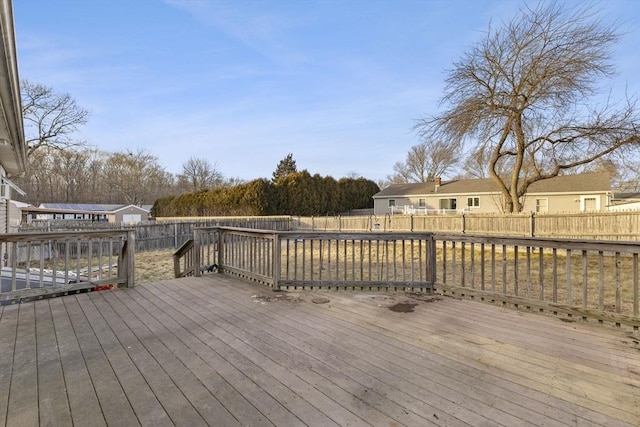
(218,351)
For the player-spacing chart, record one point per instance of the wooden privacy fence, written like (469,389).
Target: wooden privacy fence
(164,233)
(577,278)
(622,225)
(317,260)
(35,265)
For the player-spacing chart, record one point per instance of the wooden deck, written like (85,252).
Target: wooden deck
(221,352)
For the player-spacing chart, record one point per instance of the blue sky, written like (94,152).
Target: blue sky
(243,83)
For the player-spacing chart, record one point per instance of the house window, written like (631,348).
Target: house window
(542,205)
(422,203)
(473,202)
(448,203)
(392,203)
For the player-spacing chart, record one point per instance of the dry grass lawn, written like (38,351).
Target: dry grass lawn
(154,266)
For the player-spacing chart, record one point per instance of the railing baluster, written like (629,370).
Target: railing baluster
(515,271)
(601,280)
(635,284)
(618,290)
(482,271)
(541,273)
(585,275)
(493,267)
(528,261)
(472,255)
(569,284)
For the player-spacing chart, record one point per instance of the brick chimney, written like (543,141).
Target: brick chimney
(438,182)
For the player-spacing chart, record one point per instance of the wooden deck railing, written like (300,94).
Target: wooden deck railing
(321,259)
(36,265)
(578,278)
(584,278)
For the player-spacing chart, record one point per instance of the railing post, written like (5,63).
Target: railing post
(126,265)
(432,262)
(197,247)
(276,261)
(220,237)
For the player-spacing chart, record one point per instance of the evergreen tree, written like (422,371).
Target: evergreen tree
(285,167)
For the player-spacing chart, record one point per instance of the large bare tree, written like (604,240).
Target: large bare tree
(200,174)
(526,94)
(135,176)
(50,118)
(426,161)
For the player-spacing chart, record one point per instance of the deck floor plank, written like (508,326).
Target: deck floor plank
(115,406)
(184,374)
(23,393)
(147,408)
(219,351)
(168,393)
(83,401)
(52,401)
(8,332)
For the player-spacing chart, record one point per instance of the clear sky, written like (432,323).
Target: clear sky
(338,83)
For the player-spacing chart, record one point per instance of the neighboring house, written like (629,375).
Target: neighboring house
(624,202)
(12,144)
(570,193)
(112,213)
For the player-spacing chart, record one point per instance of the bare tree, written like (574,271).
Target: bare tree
(200,174)
(50,118)
(526,93)
(71,169)
(134,177)
(426,161)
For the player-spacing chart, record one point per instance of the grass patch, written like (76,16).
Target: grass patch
(154,266)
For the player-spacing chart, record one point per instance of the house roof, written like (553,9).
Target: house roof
(596,182)
(87,207)
(13,149)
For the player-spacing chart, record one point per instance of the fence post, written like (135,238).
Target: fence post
(175,234)
(463,219)
(197,247)
(532,225)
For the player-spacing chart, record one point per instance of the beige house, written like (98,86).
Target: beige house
(12,143)
(110,213)
(570,193)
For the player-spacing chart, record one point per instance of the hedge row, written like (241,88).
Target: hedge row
(297,193)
